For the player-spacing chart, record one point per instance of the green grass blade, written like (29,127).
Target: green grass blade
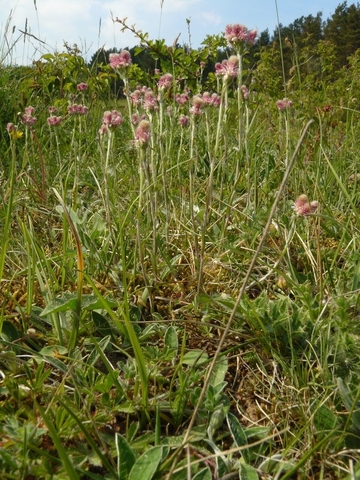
(69,467)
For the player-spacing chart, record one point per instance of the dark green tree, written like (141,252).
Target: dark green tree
(343,31)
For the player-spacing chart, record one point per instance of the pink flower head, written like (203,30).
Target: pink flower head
(284,104)
(52,110)
(134,119)
(29,110)
(112,119)
(181,98)
(150,101)
(165,81)
(183,120)
(10,127)
(28,119)
(245,92)
(206,98)
(77,109)
(120,60)
(103,129)
(198,102)
(157,71)
(202,65)
(136,97)
(215,100)
(142,133)
(303,207)
(228,68)
(82,86)
(53,120)
(239,37)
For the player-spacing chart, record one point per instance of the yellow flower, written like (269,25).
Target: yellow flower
(15,134)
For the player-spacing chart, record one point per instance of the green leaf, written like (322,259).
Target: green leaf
(238,434)
(203,474)
(246,472)
(9,333)
(88,437)
(236,430)
(195,357)
(94,355)
(66,460)
(68,301)
(91,302)
(54,351)
(349,403)
(101,324)
(146,465)
(274,465)
(324,419)
(216,421)
(126,457)
(219,372)
(171,338)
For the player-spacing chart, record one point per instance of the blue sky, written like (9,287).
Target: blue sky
(88,23)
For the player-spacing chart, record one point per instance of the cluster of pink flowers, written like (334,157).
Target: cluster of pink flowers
(303,207)
(197,104)
(206,99)
(165,81)
(53,120)
(239,36)
(27,118)
(214,99)
(150,101)
(110,121)
(183,120)
(144,97)
(228,68)
(136,96)
(284,104)
(182,98)
(142,133)
(120,60)
(82,86)
(77,109)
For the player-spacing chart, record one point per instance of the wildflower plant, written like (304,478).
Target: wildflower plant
(283,106)
(170,272)
(110,122)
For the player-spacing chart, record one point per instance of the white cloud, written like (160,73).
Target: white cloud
(212,18)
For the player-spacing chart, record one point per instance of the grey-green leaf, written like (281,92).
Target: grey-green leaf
(126,457)
(247,472)
(171,339)
(238,434)
(219,372)
(145,466)
(195,357)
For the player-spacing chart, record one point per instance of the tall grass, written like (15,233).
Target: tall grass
(179,280)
